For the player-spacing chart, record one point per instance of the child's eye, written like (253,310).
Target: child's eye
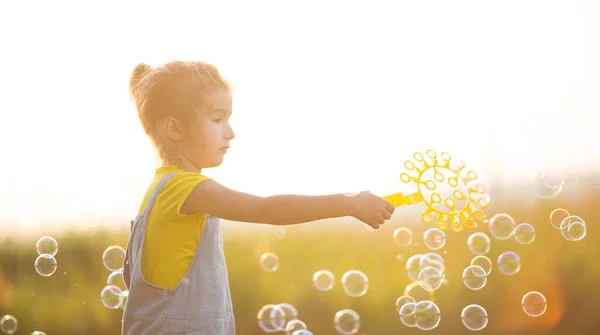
(217,120)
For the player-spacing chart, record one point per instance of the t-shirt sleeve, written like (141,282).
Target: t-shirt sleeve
(176,192)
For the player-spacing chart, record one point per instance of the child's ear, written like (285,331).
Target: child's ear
(173,128)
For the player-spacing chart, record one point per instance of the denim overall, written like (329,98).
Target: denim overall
(201,302)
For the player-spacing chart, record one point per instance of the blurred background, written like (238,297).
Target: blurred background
(329,97)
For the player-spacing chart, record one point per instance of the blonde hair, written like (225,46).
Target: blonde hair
(176,89)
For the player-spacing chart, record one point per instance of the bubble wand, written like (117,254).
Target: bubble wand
(430,170)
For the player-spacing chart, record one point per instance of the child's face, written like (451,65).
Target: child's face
(213,134)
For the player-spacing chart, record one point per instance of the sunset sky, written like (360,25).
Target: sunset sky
(328,96)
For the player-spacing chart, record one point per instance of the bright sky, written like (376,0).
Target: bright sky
(328,96)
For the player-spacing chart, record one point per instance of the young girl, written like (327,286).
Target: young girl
(175,268)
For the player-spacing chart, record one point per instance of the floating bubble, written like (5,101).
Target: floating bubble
(509,263)
(37,332)
(111,297)
(323,280)
(407,314)
(403,237)
(113,258)
(554,178)
(47,245)
(534,304)
(474,317)
(571,179)
(280,232)
(45,265)
(558,216)
(9,324)
(432,276)
(302,332)
(573,228)
(403,300)
(271,318)
(269,262)
(502,226)
(355,283)
(524,233)
(484,262)
(290,312)
(540,188)
(346,322)
(293,326)
(413,266)
(432,259)
(474,277)
(115,278)
(479,243)
(434,239)
(427,314)
(419,291)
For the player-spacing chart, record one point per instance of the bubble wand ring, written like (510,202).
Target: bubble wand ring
(457,177)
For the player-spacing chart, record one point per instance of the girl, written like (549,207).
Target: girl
(175,268)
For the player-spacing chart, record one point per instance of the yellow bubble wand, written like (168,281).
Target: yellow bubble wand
(429,170)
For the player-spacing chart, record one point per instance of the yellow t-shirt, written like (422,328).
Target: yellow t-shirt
(171,237)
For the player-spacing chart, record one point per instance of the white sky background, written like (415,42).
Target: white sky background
(328,96)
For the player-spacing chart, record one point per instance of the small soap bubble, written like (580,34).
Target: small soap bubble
(271,318)
(479,243)
(302,332)
(554,178)
(280,232)
(509,263)
(346,322)
(432,276)
(403,300)
(434,239)
(403,237)
(45,265)
(534,304)
(290,312)
(269,262)
(573,228)
(47,245)
(474,277)
(540,188)
(355,283)
(323,280)
(502,226)
(37,332)
(427,314)
(113,258)
(419,291)
(294,325)
(9,324)
(408,315)
(432,259)
(571,179)
(484,262)
(474,317)
(111,297)
(116,279)
(413,266)
(524,233)
(558,216)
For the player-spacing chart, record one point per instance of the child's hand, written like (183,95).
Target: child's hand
(370,209)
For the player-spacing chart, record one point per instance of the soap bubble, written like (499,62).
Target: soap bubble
(45,265)
(474,317)
(408,315)
(9,324)
(432,259)
(554,178)
(116,279)
(509,263)
(323,280)
(419,291)
(346,322)
(269,262)
(502,226)
(427,314)
(534,304)
(558,216)
(483,262)
(479,243)
(47,245)
(355,283)
(37,332)
(542,190)
(403,237)
(474,277)
(413,266)
(271,318)
(403,300)
(290,312)
(524,233)
(573,228)
(431,276)
(302,332)
(113,258)
(434,239)
(280,232)
(111,297)
(294,325)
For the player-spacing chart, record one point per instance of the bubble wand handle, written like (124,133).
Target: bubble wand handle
(401,199)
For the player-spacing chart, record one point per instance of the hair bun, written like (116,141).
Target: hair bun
(140,71)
